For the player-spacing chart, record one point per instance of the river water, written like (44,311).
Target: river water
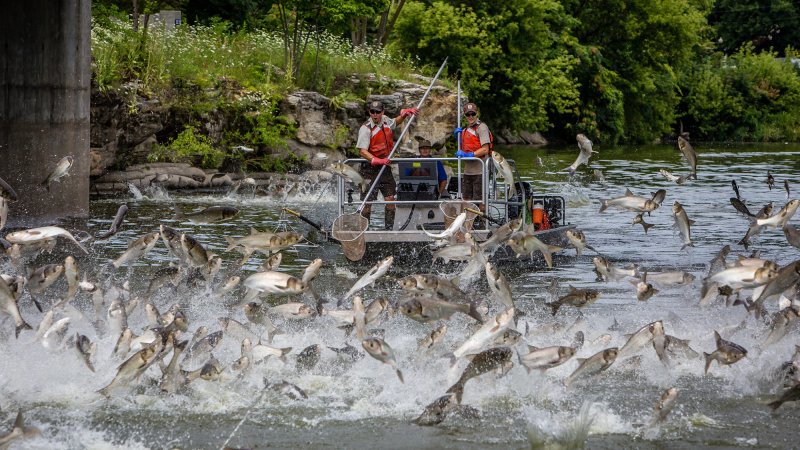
(364,405)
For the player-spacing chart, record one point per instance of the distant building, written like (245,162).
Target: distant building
(168,19)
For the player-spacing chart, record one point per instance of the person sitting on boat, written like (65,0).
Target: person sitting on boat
(375,143)
(425,152)
(475,142)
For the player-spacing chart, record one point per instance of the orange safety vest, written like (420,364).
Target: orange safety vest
(470,142)
(380,140)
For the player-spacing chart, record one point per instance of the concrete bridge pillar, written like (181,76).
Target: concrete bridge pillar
(45,77)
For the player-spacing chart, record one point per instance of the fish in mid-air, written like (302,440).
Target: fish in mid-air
(585,146)
(688,152)
(61,171)
(727,352)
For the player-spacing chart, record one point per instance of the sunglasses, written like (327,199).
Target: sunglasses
(375,111)
(471,114)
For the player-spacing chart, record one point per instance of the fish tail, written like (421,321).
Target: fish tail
(473,310)
(554,307)
(36,302)
(775,405)
(647,226)
(458,390)
(708,359)
(603,205)
(23,326)
(231,243)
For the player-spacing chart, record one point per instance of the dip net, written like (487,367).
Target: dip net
(349,230)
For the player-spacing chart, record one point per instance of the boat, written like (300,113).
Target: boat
(420,208)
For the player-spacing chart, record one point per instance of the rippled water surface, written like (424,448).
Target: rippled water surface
(364,405)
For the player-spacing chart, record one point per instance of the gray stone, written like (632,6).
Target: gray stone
(533,138)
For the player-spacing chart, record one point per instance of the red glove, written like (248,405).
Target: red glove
(379,161)
(409,112)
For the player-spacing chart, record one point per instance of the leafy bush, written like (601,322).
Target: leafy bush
(189,147)
(747,97)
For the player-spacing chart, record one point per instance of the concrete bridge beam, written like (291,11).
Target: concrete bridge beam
(45,78)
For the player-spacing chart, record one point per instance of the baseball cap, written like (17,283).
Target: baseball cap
(375,104)
(471,107)
(424,143)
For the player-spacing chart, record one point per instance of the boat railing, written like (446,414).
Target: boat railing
(496,206)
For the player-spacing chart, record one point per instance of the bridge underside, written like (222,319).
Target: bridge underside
(45,77)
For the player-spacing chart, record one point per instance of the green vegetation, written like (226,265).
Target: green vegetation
(189,147)
(620,71)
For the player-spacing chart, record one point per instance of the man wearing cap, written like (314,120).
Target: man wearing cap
(425,152)
(375,143)
(475,140)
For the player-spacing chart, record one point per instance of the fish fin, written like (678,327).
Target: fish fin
(548,258)
(572,289)
(36,302)
(106,391)
(532,348)
(470,357)
(603,204)
(451,357)
(458,390)
(628,193)
(580,360)
(717,337)
(24,326)
(178,213)
(400,375)
(692,222)
(231,243)
(554,307)
(775,405)
(708,359)
(647,226)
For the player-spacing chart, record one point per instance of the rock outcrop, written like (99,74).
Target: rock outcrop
(126,125)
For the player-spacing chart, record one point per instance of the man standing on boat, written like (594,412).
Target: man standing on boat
(375,143)
(475,142)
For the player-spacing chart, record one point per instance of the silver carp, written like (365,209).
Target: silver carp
(483,362)
(585,147)
(592,365)
(380,350)
(727,352)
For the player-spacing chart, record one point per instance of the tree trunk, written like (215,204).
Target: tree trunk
(136,16)
(393,20)
(382,27)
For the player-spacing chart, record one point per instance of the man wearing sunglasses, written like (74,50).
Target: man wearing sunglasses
(375,143)
(475,140)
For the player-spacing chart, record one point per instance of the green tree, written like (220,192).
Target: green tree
(745,97)
(765,24)
(631,53)
(511,55)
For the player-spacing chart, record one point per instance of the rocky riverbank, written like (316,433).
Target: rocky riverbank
(127,124)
